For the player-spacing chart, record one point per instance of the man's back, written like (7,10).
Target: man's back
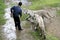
(16,10)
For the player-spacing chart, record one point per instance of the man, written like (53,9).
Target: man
(16,11)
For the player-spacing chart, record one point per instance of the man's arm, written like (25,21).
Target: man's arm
(20,13)
(12,11)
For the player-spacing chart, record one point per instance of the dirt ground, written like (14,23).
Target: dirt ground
(54,27)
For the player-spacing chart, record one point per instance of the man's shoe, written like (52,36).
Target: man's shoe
(16,28)
(20,29)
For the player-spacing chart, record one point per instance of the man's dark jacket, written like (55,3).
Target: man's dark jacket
(16,10)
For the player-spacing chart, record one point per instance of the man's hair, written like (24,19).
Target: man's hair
(20,3)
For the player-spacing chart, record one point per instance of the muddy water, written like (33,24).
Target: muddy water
(8,30)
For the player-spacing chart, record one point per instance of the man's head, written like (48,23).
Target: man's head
(20,3)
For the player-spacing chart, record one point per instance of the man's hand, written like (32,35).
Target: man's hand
(11,15)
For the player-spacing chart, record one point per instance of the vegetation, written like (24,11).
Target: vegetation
(24,16)
(38,37)
(39,4)
(51,37)
(2,6)
(58,12)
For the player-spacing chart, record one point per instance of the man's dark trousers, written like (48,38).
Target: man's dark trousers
(17,22)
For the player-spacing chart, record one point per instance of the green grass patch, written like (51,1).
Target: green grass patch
(2,20)
(39,4)
(58,12)
(51,37)
(48,37)
(2,7)
(36,35)
(23,18)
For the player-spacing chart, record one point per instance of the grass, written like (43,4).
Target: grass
(39,4)
(23,18)
(48,37)
(2,20)
(35,35)
(51,37)
(2,7)
(58,12)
